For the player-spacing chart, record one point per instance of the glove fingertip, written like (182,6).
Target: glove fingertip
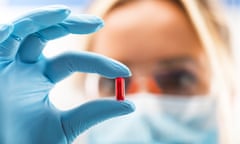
(118,69)
(128,106)
(99,22)
(109,67)
(125,71)
(83,24)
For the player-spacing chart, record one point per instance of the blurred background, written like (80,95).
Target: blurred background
(62,96)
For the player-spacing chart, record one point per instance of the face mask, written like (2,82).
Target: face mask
(161,119)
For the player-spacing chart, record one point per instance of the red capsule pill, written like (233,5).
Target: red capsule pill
(120,88)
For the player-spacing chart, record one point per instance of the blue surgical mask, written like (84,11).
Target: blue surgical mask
(161,120)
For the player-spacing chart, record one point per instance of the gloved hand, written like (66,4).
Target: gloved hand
(26,77)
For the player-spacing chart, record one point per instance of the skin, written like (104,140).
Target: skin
(155,38)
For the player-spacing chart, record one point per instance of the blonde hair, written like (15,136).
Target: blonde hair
(213,33)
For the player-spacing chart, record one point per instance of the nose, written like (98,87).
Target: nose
(143,84)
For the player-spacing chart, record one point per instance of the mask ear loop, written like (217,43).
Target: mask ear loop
(92,86)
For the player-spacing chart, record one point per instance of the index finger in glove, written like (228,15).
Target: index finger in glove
(62,66)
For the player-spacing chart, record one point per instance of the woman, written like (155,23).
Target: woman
(182,75)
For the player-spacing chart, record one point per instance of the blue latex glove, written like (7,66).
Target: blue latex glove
(26,77)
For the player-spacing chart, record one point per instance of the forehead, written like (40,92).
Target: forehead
(147,30)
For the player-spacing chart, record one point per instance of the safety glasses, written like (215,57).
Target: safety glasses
(178,81)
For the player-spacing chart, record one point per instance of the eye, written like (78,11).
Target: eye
(176,81)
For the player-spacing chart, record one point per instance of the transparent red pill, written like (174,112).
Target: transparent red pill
(120,88)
